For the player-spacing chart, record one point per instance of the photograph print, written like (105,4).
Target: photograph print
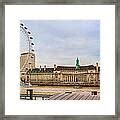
(59,60)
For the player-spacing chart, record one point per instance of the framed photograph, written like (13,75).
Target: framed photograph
(60,59)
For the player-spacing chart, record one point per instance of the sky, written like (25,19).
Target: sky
(60,42)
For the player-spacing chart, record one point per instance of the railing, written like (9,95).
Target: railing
(34,97)
(66,83)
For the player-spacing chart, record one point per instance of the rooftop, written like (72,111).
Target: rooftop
(27,53)
(50,70)
(74,68)
(75,96)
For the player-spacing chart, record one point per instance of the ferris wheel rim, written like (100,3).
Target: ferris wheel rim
(30,42)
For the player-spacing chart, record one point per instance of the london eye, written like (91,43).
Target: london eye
(26,50)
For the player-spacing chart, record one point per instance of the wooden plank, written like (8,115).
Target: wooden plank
(63,96)
(85,96)
(69,96)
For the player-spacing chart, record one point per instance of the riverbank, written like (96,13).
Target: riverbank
(51,90)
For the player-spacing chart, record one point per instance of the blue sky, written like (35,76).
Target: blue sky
(62,41)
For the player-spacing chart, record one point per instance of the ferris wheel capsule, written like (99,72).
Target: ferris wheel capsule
(28,32)
(31,37)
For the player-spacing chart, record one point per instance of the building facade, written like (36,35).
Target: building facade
(27,61)
(64,75)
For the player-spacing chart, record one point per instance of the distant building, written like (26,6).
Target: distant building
(59,75)
(27,61)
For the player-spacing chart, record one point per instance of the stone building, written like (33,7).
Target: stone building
(60,75)
(27,61)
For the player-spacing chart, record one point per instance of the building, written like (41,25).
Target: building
(27,61)
(65,75)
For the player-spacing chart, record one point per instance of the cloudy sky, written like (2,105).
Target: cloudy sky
(62,41)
